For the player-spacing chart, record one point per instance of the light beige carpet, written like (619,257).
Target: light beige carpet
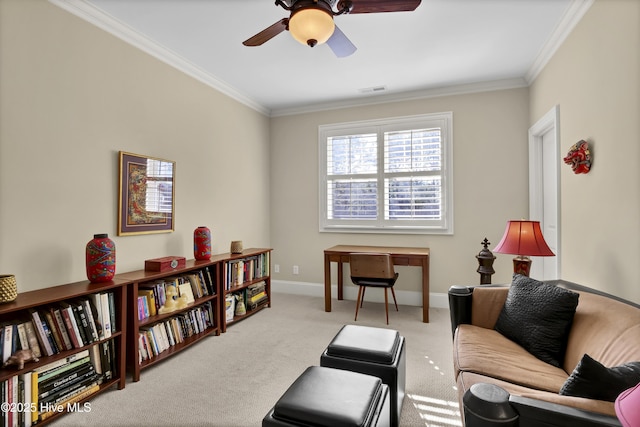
(234,379)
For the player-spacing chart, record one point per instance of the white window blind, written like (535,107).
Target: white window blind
(389,175)
(159,195)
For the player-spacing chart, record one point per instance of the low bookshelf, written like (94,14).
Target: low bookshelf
(154,335)
(245,277)
(79,356)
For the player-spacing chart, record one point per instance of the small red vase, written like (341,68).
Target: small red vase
(202,243)
(101,259)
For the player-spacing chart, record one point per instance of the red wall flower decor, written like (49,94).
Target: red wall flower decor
(579,157)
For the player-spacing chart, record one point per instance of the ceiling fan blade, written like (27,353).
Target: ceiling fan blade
(377,6)
(340,44)
(267,34)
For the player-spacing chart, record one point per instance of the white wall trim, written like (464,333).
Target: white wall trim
(411,298)
(574,13)
(551,120)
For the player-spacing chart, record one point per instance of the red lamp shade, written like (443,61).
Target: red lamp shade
(627,405)
(523,238)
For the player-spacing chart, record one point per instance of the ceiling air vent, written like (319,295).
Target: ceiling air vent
(373,89)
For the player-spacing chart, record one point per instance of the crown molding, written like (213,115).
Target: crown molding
(405,96)
(574,13)
(88,12)
(108,23)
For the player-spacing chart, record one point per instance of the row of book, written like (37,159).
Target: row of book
(155,339)
(60,327)
(239,271)
(152,296)
(37,395)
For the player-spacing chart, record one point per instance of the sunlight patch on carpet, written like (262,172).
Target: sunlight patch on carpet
(436,412)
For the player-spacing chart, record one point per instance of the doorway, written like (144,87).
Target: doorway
(544,190)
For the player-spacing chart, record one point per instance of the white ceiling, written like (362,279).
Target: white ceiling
(443,46)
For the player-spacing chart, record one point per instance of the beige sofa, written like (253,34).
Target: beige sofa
(604,327)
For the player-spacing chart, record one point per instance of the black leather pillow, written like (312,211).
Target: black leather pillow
(538,316)
(593,380)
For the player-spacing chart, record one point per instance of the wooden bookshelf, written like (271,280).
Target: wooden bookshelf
(142,279)
(256,266)
(19,311)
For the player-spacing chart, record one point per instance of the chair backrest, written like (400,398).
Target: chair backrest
(371,265)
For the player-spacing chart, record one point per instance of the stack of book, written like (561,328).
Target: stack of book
(61,327)
(57,386)
(159,337)
(256,296)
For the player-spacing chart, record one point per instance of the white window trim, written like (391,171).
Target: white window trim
(366,126)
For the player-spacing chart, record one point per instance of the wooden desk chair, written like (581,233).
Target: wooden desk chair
(373,270)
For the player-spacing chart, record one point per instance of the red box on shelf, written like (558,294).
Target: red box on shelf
(166,263)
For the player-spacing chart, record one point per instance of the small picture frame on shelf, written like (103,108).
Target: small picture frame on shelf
(147,195)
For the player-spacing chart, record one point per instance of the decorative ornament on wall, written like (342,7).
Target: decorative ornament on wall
(579,157)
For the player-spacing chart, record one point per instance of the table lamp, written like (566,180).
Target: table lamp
(524,239)
(627,405)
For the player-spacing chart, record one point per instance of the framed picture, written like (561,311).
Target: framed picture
(147,195)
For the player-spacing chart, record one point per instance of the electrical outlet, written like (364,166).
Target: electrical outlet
(295,269)
(276,268)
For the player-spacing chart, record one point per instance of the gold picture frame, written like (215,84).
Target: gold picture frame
(147,195)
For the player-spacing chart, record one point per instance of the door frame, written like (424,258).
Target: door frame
(549,122)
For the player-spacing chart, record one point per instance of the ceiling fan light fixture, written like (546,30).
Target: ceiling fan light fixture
(311,26)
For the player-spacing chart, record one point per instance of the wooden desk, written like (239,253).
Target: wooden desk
(418,257)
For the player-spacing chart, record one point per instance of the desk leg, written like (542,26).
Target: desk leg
(327,283)
(340,270)
(425,290)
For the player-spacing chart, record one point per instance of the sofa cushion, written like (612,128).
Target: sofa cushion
(593,380)
(475,350)
(538,316)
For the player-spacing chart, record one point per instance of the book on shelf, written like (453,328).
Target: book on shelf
(60,370)
(62,328)
(55,333)
(43,338)
(32,338)
(7,342)
(94,326)
(185,290)
(23,341)
(107,308)
(68,401)
(72,326)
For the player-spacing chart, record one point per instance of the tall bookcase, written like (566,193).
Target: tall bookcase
(159,336)
(244,277)
(46,301)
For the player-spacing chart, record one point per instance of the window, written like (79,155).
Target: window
(387,176)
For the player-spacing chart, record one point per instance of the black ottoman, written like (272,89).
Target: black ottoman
(333,398)
(372,351)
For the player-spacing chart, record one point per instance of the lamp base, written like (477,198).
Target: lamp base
(522,265)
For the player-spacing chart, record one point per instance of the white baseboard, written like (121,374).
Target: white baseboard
(436,300)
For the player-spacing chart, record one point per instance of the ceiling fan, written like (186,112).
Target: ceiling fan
(311,21)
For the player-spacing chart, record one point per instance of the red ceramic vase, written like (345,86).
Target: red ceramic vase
(202,243)
(101,259)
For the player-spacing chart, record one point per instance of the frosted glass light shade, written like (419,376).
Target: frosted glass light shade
(311,26)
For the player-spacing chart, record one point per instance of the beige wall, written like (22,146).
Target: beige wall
(594,78)
(490,186)
(72,96)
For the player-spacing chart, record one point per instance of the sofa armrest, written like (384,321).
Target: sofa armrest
(460,298)
(536,413)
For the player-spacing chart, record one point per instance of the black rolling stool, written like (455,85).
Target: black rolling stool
(332,398)
(372,351)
